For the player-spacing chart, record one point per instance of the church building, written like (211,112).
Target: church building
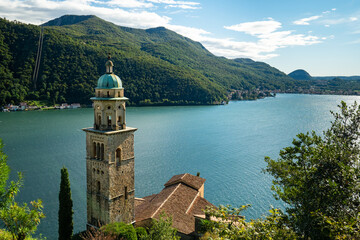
(110,155)
(110,170)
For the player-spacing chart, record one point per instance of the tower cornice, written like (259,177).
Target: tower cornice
(127,129)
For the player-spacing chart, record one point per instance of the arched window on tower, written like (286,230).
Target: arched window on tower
(108,94)
(97,151)
(94,150)
(119,121)
(99,122)
(118,94)
(102,152)
(109,121)
(118,156)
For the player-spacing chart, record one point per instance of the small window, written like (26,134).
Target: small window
(118,94)
(126,193)
(102,153)
(98,186)
(108,94)
(98,93)
(97,151)
(109,107)
(94,150)
(109,121)
(118,155)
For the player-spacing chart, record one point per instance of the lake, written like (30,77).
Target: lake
(225,143)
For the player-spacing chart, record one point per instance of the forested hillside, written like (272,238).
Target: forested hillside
(156,65)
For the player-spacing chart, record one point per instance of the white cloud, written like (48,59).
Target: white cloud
(177,4)
(254,28)
(339,20)
(190,32)
(269,38)
(40,11)
(129,4)
(182,6)
(305,21)
(174,2)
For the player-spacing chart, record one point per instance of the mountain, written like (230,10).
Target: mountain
(350,78)
(300,74)
(67,20)
(157,66)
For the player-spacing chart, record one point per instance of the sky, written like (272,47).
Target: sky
(319,36)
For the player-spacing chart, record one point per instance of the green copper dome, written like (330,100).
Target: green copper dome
(109,81)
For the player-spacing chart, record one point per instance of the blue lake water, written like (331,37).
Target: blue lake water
(226,144)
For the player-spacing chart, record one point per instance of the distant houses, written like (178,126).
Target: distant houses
(67,106)
(23,106)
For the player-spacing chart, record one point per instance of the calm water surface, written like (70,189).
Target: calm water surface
(226,144)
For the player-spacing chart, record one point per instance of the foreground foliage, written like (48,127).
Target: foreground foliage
(227,222)
(319,178)
(20,220)
(160,229)
(65,207)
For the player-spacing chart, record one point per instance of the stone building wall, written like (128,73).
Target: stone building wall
(110,180)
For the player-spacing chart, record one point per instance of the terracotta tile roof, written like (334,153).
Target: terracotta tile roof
(188,179)
(180,199)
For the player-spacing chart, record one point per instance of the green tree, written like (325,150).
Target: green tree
(20,220)
(120,230)
(319,178)
(227,222)
(65,207)
(162,229)
(7,192)
(141,233)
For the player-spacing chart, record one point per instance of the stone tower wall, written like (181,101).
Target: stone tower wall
(110,180)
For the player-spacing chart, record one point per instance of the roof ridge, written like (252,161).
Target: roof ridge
(192,203)
(162,204)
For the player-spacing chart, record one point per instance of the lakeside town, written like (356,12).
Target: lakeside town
(24,106)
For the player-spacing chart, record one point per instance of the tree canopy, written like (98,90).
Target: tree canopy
(65,207)
(20,220)
(319,177)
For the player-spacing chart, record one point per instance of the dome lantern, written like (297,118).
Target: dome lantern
(109,65)
(109,80)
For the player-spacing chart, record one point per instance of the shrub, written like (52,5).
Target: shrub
(121,230)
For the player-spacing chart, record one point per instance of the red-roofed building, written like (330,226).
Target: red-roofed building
(182,199)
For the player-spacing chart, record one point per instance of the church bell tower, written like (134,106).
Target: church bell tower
(110,155)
